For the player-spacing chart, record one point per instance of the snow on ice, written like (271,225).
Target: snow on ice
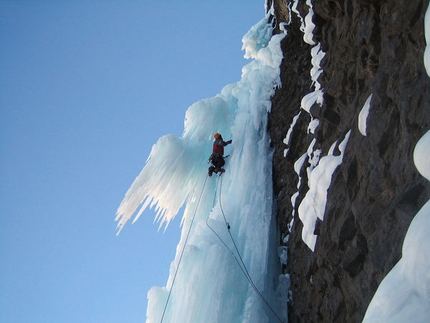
(206,284)
(313,205)
(321,169)
(362,116)
(289,132)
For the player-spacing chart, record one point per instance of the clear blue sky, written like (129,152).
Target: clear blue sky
(86,89)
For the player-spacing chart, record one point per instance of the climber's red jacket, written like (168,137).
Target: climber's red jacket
(219,145)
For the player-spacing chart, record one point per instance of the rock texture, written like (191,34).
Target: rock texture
(372,47)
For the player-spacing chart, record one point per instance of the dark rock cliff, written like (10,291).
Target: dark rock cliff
(371,46)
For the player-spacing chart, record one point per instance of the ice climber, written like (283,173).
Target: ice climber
(217,157)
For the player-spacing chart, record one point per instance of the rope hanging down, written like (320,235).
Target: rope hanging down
(183,249)
(237,258)
(240,263)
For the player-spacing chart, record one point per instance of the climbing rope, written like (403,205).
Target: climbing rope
(183,249)
(239,258)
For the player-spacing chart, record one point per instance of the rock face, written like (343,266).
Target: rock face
(371,47)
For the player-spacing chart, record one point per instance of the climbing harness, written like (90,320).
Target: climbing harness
(238,258)
(183,249)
